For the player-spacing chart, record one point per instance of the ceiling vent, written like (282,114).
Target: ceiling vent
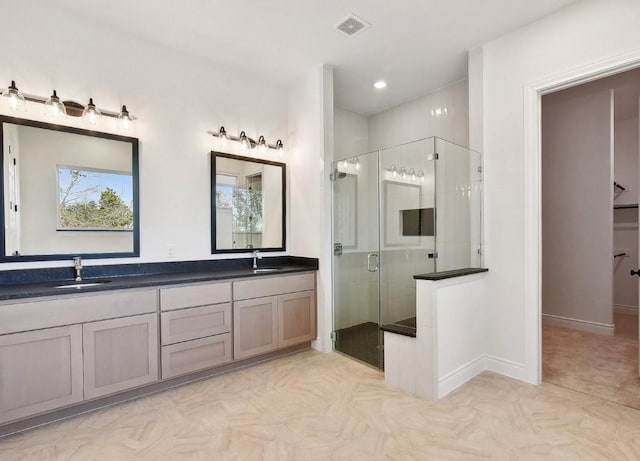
(352,25)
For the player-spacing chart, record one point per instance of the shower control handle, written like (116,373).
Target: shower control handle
(635,272)
(377,266)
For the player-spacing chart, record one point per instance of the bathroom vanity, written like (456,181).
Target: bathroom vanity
(66,350)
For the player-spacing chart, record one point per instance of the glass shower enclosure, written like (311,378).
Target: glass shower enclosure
(398,212)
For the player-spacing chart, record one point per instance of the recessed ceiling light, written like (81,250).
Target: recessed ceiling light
(380,84)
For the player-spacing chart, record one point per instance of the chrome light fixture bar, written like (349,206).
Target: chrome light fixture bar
(58,109)
(247,143)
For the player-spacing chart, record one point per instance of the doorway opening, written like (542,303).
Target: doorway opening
(590,193)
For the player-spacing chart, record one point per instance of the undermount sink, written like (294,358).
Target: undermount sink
(265,269)
(86,284)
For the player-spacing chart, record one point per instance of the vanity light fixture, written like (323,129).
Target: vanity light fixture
(58,109)
(91,114)
(280,148)
(262,145)
(223,137)
(380,84)
(246,143)
(409,174)
(125,119)
(54,107)
(13,98)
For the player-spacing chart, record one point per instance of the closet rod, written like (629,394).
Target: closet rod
(622,207)
(615,184)
(619,255)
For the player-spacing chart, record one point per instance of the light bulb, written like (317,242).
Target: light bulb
(280,148)
(421,175)
(357,163)
(125,119)
(403,173)
(394,171)
(13,98)
(91,114)
(262,145)
(340,165)
(223,137)
(54,107)
(412,174)
(245,145)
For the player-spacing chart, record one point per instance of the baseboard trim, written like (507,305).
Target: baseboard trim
(624,309)
(576,324)
(506,367)
(460,376)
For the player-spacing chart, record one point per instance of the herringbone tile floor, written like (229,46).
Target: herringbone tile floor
(313,406)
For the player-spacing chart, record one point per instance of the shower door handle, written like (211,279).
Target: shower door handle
(376,267)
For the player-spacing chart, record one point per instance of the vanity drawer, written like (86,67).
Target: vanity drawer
(179,359)
(194,295)
(58,311)
(196,322)
(270,286)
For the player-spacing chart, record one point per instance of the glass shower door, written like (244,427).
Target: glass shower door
(356,259)
(408,222)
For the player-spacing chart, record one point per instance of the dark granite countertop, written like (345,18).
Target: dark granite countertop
(450,274)
(403,330)
(30,283)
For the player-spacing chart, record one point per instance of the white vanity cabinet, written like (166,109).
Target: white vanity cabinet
(119,354)
(195,327)
(40,371)
(58,351)
(271,313)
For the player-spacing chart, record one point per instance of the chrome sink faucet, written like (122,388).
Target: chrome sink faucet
(256,256)
(77,265)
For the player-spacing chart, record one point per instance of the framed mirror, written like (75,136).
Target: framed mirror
(67,192)
(248,206)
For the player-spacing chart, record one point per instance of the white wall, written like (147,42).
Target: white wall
(351,136)
(176,99)
(580,35)
(577,208)
(310,105)
(443,113)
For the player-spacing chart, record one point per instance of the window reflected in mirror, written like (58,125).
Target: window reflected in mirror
(90,199)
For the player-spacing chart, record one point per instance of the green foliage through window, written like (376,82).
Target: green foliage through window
(92,199)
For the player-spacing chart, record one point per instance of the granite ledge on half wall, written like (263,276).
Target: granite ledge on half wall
(435,276)
(30,283)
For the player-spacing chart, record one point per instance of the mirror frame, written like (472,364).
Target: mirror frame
(83,132)
(215,250)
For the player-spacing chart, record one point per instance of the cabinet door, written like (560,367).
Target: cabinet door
(296,318)
(254,327)
(39,371)
(120,354)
